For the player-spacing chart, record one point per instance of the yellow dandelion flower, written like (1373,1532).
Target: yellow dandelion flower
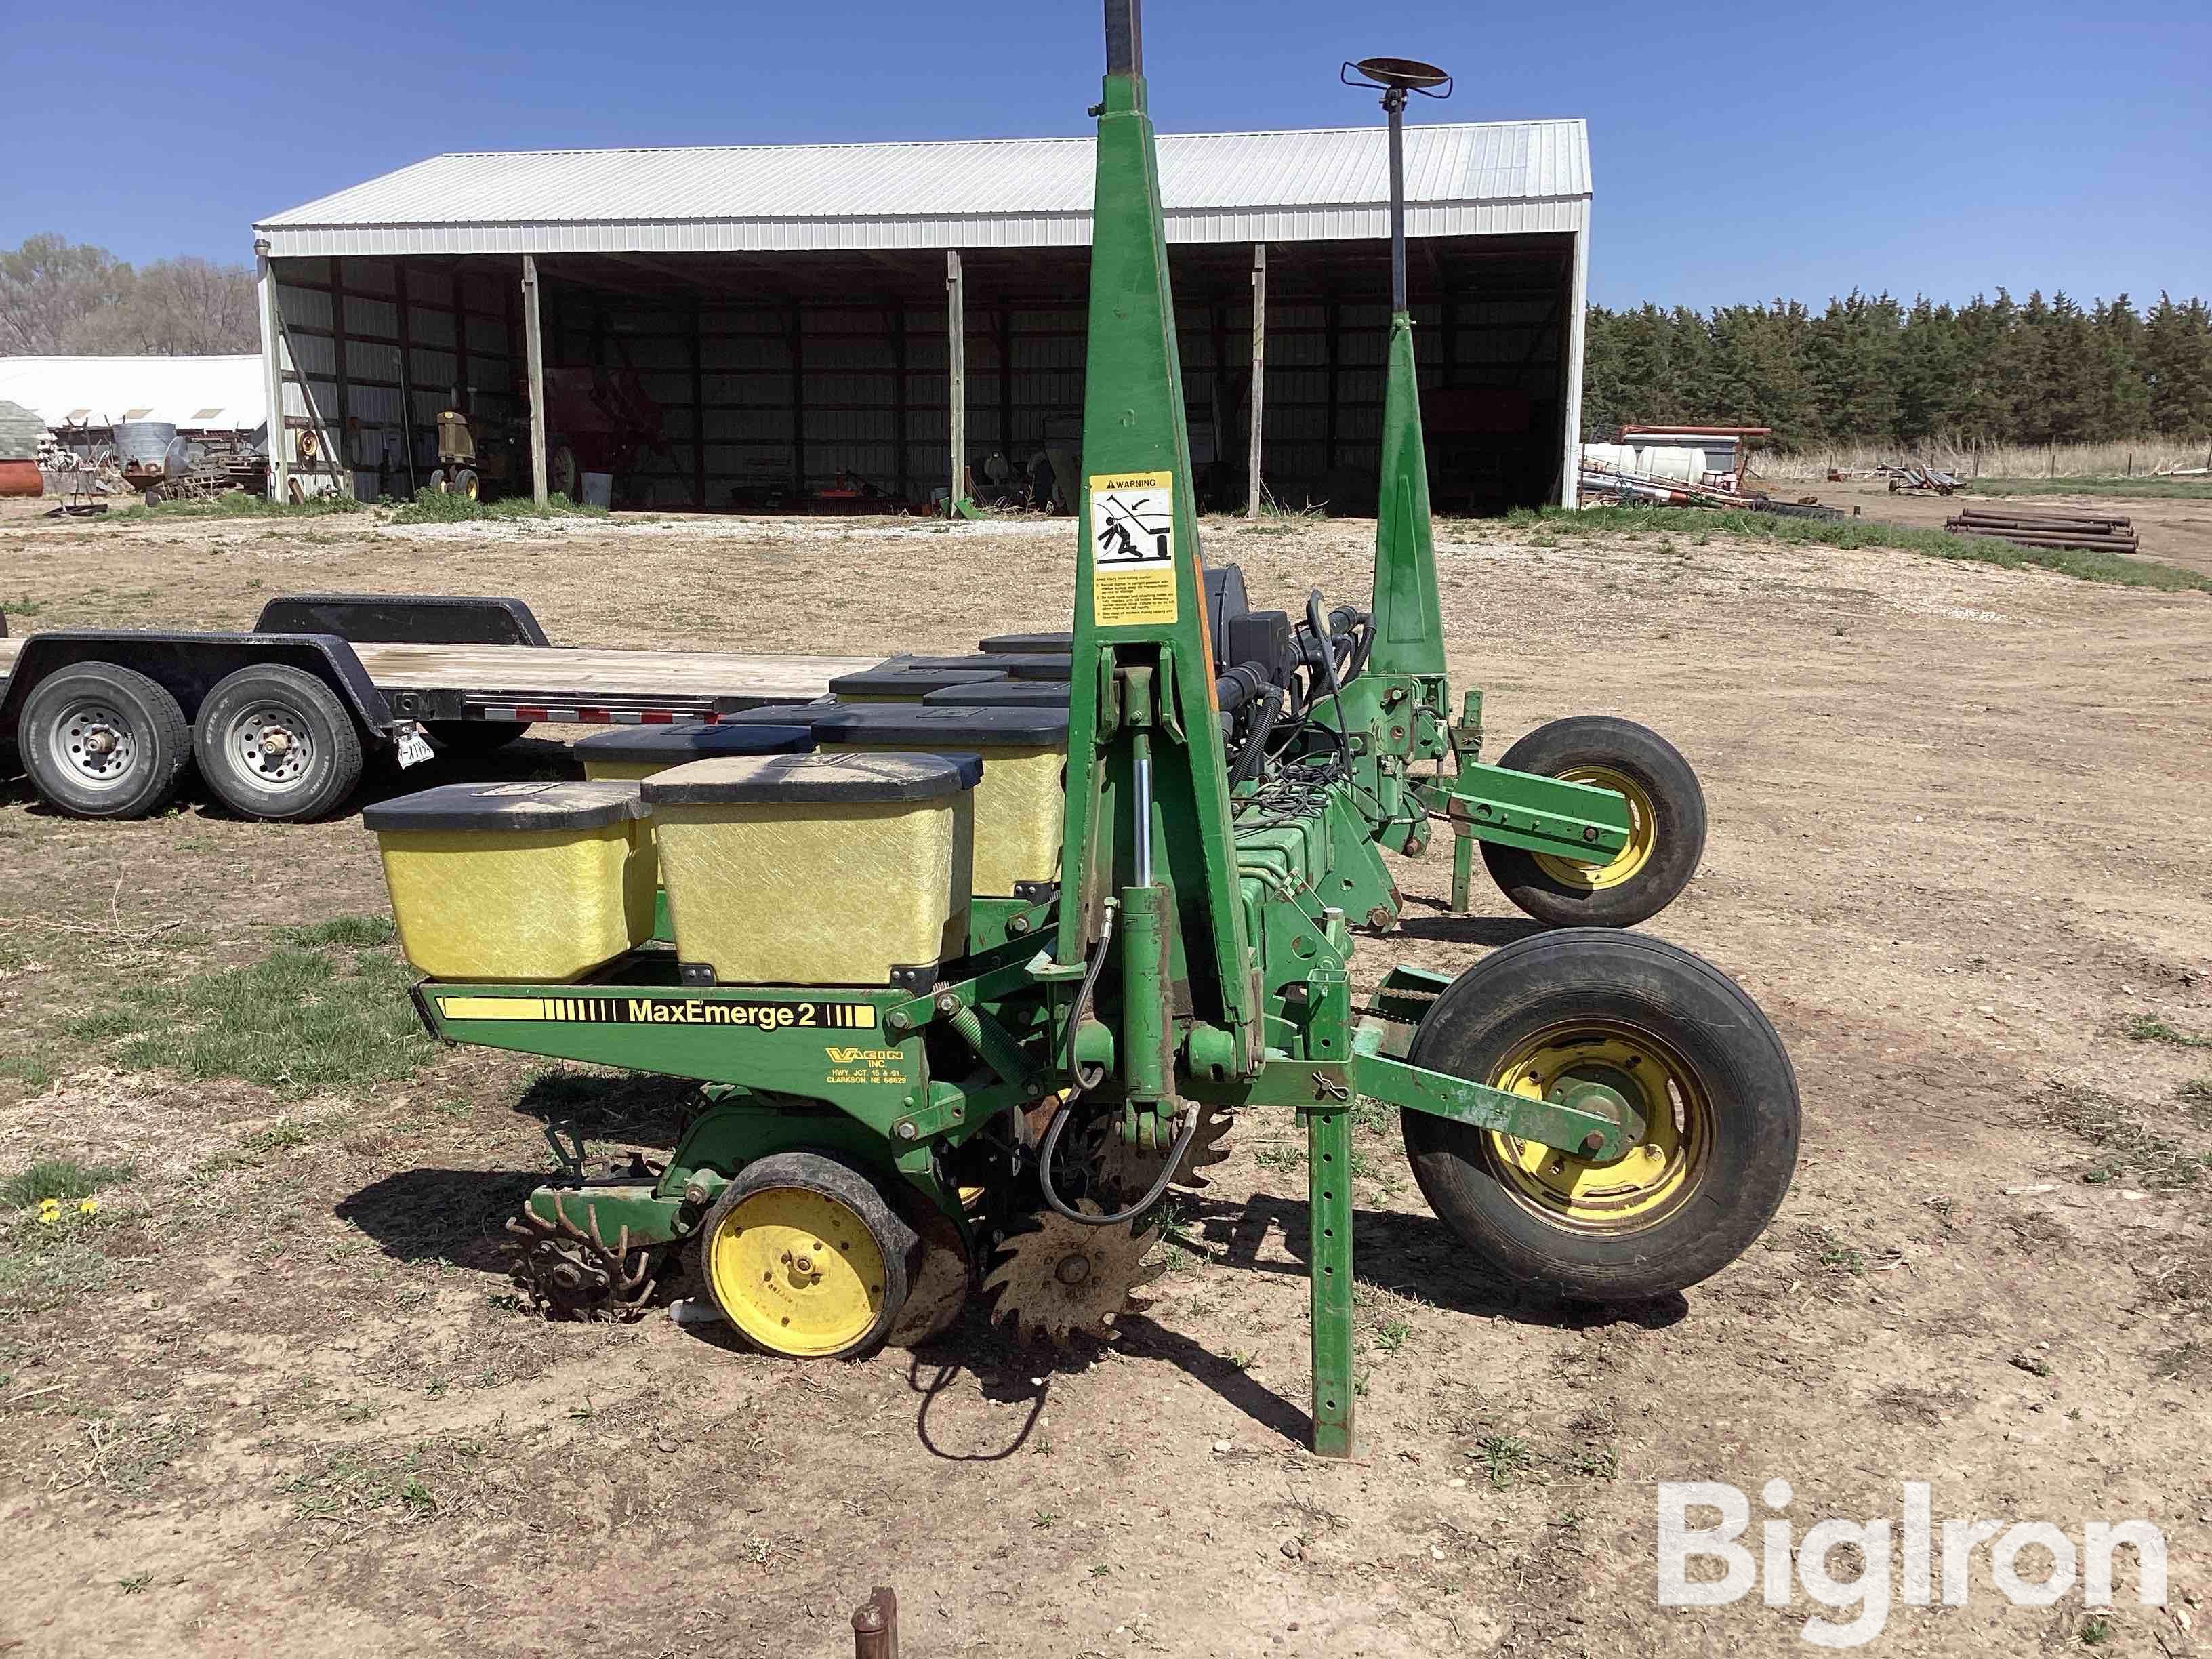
(49,1210)
(87,1206)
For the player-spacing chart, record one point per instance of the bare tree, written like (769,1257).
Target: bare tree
(48,286)
(175,307)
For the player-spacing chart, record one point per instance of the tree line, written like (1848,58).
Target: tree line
(1876,369)
(63,297)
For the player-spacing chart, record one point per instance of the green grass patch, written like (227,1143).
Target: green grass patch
(301,1018)
(239,504)
(60,1178)
(2148,489)
(438,507)
(2155,1161)
(30,1073)
(2088,567)
(360,932)
(2149,1028)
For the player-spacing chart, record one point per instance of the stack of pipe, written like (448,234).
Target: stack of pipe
(2098,532)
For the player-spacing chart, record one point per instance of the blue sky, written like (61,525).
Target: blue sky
(1740,153)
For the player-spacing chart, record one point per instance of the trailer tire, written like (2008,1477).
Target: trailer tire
(472,739)
(1666,838)
(102,741)
(1678,1039)
(276,742)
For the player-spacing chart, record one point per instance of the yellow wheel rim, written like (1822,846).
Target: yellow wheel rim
(796,1271)
(1643,834)
(1638,1190)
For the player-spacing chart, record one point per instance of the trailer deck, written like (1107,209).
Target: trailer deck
(585,685)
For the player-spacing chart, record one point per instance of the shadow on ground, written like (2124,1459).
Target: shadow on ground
(440,1215)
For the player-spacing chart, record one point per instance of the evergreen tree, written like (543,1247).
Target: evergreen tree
(1870,370)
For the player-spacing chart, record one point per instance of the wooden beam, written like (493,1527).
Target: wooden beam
(698,411)
(1259,373)
(272,376)
(898,398)
(342,456)
(463,393)
(956,362)
(406,371)
(1007,383)
(1332,343)
(534,345)
(797,345)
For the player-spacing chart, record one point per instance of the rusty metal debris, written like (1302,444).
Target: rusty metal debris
(2101,532)
(875,1625)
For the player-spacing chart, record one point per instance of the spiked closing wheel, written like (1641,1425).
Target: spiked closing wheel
(571,1271)
(1061,1278)
(804,1256)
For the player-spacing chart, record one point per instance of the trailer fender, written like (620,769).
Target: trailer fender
(404,618)
(188,666)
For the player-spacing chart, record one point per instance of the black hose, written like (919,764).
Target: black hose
(1084,1083)
(1060,1207)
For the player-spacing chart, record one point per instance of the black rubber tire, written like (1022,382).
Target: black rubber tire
(1678,805)
(470,739)
(1716,1031)
(333,766)
(162,744)
(821,1172)
(465,482)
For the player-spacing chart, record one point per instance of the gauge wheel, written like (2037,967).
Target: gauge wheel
(1680,1042)
(806,1257)
(1666,834)
(275,742)
(102,741)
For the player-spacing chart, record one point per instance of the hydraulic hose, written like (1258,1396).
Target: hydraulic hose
(1085,1082)
(1060,1206)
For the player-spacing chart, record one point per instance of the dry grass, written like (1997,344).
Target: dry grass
(2141,456)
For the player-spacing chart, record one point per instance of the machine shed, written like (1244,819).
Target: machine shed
(878,327)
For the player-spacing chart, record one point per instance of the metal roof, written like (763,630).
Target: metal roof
(223,394)
(1475,178)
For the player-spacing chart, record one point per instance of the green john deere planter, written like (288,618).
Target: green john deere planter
(920,1091)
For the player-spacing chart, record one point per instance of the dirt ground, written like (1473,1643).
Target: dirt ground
(287,1407)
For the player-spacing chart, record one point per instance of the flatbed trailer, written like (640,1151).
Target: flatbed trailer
(281,718)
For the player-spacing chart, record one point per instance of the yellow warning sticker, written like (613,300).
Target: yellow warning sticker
(1132,564)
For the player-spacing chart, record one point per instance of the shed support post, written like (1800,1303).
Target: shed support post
(698,408)
(534,347)
(1259,373)
(342,448)
(272,376)
(1578,306)
(956,362)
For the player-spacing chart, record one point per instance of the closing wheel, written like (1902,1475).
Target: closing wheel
(275,742)
(102,741)
(1666,834)
(804,1256)
(1677,1039)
